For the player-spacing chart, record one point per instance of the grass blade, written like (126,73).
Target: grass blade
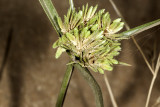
(93,84)
(51,13)
(139,29)
(64,87)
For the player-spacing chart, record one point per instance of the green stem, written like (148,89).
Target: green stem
(92,83)
(51,13)
(139,29)
(65,84)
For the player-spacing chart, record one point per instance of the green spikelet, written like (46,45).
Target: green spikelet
(89,37)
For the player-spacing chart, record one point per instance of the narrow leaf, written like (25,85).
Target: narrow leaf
(64,87)
(51,13)
(139,29)
(92,83)
(59,52)
(71,4)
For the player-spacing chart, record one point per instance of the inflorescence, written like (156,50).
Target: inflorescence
(90,38)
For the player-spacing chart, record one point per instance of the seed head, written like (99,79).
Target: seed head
(90,38)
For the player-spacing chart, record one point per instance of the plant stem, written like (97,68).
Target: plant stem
(135,42)
(92,83)
(110,91)
(153,81)
(64,87)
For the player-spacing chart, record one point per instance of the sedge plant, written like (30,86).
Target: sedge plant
(91,39)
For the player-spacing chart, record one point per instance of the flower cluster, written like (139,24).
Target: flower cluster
(90,38)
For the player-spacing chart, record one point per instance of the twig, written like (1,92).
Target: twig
(153,81)
(135,42)
(110,91)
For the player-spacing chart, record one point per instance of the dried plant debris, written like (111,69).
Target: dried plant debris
(90,38)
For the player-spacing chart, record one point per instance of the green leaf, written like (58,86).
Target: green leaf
(106,20)
(114,61)
(51,13)
(76,19)
(114,53)
(125,64)
(83,33)
(94,36)
(71,4)
(89,13)
(64,39)
(64,86)
(76,34)
(92,83)
(107,67)
(88,33)
(139,29)
(59,52)
(56,44)
(66,20)
(92,20)
(118,27)
(101,70)
(114,25)
(71,38)
(117,48)
(86,10)
(61,25)
(94,27)
(94,10)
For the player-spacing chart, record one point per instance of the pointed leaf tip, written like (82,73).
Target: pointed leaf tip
(59,52)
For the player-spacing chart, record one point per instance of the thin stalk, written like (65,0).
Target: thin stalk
(110,91)
(153,81)
(92,83)
(65,84)
(135,42)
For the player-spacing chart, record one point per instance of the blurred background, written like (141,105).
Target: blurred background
(30,76)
